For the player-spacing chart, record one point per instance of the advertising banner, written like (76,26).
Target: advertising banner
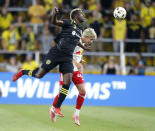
(102,90)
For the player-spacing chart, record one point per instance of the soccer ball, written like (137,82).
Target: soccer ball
(119,13)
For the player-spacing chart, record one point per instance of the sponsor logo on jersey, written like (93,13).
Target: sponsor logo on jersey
(48,62)
(75,34)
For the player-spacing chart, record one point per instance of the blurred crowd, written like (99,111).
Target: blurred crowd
(31,30)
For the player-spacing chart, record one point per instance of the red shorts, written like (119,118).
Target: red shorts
(61,82)
(77,78)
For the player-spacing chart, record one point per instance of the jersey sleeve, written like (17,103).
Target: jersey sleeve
(66,23)
(77,40)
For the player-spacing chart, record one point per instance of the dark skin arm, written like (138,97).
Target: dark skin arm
(55,21)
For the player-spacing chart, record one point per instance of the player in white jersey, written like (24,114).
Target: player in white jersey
(87,38)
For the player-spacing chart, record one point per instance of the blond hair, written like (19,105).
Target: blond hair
(89,32)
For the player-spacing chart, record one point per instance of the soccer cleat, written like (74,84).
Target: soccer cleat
(76,119)
(52,114)
(57,111)
(17,75)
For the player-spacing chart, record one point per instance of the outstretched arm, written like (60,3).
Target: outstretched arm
(55,21)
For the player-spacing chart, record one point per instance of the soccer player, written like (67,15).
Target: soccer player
(61,54)
(88,37)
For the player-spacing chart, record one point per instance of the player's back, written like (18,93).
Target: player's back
(69,37)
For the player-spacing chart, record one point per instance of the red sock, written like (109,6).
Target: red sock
(55,100)
(80,100)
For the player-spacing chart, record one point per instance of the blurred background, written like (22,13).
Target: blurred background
(123,47)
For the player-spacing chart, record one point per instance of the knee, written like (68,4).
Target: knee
(68,81)
(82,91)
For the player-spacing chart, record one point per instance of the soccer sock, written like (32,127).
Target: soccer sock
(25,72)
(55,100)
(77,111)
(62,95)
(80,100)
(30,72)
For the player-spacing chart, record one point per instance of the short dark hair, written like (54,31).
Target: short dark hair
(74,12)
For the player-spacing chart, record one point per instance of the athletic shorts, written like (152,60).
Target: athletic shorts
(77,78)
(54,58)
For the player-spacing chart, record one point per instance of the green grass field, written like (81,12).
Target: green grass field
(36,118)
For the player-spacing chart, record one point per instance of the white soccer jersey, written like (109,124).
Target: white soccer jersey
(77,55)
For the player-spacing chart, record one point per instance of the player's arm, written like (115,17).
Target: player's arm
(55,21)
(82,61)
(78,65)
(85,47)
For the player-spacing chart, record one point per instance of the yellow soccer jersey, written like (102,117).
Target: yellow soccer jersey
(147,14)
(119,29)
(5,21)
(29,66)
(37,12)
(10,38)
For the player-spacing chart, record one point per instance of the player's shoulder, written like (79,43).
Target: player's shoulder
(66,22)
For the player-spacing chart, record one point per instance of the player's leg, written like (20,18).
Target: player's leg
(52,115)
(48,64)
(60,84)
(55,100)
(67,78)
(55,109)
(67,69)
(79,82)
(37,73)
(79,103)
(80,98)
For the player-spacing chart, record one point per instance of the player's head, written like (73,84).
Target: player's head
(88,36)
(77,15)
(148,3)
